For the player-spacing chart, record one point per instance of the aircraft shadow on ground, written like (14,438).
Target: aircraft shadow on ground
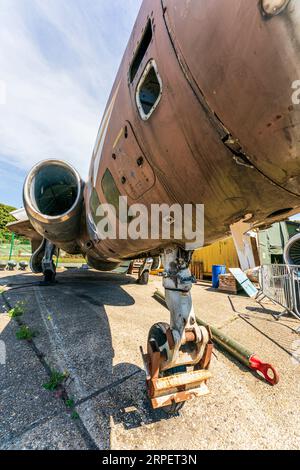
(82,342)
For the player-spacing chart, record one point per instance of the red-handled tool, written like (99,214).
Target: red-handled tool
(237,350)
(268,371)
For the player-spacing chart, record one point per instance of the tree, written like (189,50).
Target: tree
(5,218)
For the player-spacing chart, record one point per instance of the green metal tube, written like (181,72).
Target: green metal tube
(235,349)
(230,345)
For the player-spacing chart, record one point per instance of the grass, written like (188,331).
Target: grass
(70,403)
(75,415)
(25,333)
(56,379)
(18,310)
(71,260)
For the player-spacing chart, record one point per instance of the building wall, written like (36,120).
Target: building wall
(271,244)
(273,240)
(221,252)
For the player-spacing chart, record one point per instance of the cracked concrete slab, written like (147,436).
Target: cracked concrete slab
(53,433)
(92,324)
(23,399)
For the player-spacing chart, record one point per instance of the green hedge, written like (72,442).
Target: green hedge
(5,218)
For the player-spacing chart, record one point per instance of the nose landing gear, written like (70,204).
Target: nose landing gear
(178,355)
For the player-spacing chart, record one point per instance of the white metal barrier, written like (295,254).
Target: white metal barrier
(281,283)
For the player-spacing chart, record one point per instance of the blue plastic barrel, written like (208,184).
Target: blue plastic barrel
(217,269)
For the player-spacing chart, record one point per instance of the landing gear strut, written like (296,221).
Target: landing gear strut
(41,260)
(178,355)
(48,265)
(144,272)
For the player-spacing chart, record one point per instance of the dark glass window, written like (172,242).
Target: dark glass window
(149,91)
(110,190)
(112,194)
(94,204)
(141,51)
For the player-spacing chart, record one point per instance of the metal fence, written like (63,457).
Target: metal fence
(17,250)
(281,283)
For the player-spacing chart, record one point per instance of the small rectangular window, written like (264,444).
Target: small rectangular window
(141,51)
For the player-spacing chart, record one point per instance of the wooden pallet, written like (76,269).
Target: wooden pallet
(228,283)
(197,270)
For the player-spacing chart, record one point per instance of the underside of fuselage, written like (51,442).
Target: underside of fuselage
(204,114)
(201,113)
(224,132)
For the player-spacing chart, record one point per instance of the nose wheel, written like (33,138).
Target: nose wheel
(42,261)
(170,388)
(178,354)
(157,339)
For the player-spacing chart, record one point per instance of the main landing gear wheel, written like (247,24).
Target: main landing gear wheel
(144,272)
(144,278)
(49,276)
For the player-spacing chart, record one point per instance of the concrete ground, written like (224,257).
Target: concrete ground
(91,326)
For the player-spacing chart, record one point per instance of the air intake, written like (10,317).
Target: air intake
(53,197)
(292,251)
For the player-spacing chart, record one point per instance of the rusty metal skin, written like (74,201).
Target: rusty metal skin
(244,67)
(224,133)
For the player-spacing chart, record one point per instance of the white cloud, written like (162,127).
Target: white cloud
(2,92)
(55,95)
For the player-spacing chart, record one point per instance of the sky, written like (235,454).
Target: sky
(58,62)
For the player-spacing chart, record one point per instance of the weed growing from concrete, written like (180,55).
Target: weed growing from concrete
(18,310)
(25,333)
(70,403)
(56,379)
